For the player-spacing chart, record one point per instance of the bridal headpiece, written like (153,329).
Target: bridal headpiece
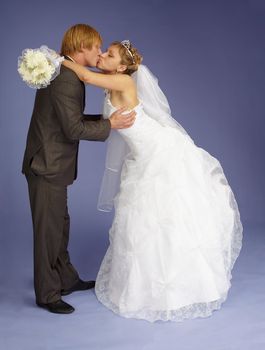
(127,45)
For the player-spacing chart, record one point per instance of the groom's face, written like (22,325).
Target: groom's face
(91,56)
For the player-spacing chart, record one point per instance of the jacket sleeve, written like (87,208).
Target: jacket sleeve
(93,117)
(67,96)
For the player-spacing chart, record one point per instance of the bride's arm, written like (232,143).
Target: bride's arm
(118,82)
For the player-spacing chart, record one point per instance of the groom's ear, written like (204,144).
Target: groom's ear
(82,48)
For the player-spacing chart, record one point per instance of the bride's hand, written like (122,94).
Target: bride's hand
(122,121)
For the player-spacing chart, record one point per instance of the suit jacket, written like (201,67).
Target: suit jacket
(56,126)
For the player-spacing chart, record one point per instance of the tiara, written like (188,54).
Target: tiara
(127,45)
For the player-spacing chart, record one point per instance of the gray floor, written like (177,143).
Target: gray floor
(239,325)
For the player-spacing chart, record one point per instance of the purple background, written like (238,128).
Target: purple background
(209,58)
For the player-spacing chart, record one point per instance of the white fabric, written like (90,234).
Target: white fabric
(176,232)
(117,150)
(153,99)
(155,104)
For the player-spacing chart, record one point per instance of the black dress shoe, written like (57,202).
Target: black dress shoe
(80,285)
(58,307)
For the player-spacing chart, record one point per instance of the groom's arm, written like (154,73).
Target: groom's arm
(93,117)
(66,96)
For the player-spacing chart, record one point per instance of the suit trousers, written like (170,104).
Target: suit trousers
(53,270)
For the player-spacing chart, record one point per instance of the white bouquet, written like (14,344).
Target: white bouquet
(38,67)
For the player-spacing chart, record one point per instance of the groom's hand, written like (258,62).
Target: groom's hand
(119,120)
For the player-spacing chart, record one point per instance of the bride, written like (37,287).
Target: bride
(176,232)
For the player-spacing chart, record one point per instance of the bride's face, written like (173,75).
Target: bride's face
(110,61)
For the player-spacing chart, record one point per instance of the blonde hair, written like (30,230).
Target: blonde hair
(129,57)
(77,36)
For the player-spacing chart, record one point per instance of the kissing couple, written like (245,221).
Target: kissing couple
(176,232)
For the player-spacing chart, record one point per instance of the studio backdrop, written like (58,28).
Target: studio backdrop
(209,59)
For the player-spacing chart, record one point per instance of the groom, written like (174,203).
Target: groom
(50,165)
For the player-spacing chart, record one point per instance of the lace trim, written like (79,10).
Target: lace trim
(190,311)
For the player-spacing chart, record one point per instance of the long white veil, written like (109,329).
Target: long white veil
(156,106)
(117,150)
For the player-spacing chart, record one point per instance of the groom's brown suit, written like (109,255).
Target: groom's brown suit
(50,164)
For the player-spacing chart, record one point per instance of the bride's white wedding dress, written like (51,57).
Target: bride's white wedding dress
(176,232)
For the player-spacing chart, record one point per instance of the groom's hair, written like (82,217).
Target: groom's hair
(77,36)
